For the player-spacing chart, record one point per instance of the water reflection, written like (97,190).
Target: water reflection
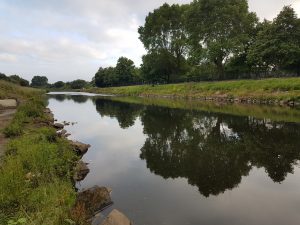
(213,151)
(76,98)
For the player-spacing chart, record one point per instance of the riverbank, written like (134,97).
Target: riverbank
(40,167)
(275,91)
(35,184)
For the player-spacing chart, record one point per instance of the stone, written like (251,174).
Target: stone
(79,147)
(62,133)
(116,218)
(94,200)
(58,126)
(81,171)
(8,103)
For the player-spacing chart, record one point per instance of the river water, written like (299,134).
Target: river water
(173,164)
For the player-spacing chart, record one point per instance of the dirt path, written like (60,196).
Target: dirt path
(5,117)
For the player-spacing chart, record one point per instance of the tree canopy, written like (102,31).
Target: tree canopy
(39,81)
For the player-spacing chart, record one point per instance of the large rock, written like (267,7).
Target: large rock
(58,126)
(81,170)
(79,147)
(116,218)
(8,103)
(93,200)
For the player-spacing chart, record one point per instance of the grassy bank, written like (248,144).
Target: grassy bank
(278,89)
(35,184)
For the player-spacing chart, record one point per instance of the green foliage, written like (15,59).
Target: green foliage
(275,89)
(277,46)
(158,67)
(18,80)
(15,79)
(78,84)
(125,73)
(219,29)
(39,81)
(125,70)
(165,37)
(35,178)
(32,109)
(58,84)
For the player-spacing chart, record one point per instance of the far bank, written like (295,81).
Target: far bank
(275,91)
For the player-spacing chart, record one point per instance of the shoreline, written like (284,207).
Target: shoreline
(273,91)
(39,163)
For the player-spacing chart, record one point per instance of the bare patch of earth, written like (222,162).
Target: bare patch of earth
(6,116)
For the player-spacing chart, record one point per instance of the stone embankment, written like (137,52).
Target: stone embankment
(94,200)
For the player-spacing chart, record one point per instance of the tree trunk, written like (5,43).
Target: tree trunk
(220,68)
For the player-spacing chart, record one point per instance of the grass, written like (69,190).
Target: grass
(35,184)
(287,89)
(10,90)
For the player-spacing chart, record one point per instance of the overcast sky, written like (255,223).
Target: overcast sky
(70,39)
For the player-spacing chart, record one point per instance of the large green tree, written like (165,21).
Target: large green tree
(125,71)
(158,67)
(219,29)
(277,46)
(39,81)
(164,31)
(105,77)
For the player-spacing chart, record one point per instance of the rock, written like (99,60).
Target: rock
(79,147)
(116,218)
(81,170)
(66,123)
(62,133)
(58,126)
(93,200)
(8,103)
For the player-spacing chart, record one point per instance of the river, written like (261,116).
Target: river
(172,164)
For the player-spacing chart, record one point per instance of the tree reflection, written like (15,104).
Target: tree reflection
(213,151)
(76,98)
(125,114)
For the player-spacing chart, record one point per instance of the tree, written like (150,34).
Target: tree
(3,77)
(219,29)
(277,45)
(158,67)
(125,70)
(105,77)
(39,81)
(164,31)
(59,84)
(78,84)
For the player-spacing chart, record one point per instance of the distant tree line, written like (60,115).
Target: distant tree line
(42,82)
(210,40)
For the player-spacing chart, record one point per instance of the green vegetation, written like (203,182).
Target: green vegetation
(211,40)
(125,73)
(10,90)
(287,89)
(35,184)
(39,81)
(14,79)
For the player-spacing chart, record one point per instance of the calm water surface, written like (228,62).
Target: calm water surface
(171,166)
